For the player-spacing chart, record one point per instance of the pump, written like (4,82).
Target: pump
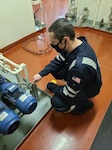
(15,95)
(9,120)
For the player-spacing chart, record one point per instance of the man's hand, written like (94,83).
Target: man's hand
(36,78)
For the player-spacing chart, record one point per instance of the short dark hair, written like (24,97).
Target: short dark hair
(61,28)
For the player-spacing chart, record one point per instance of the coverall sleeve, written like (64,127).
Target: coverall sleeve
(54,65)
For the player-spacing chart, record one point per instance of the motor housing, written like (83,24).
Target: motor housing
(9,120)
(13,93)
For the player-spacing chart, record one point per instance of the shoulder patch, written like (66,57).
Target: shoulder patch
(76,79)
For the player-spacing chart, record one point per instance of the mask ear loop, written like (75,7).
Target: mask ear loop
(59,42)
(52,45)
(65,45)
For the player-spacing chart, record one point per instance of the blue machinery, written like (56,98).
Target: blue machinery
(11,92)
(9,120)
(22,104)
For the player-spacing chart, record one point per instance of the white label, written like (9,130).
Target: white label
(3,115)
(10,88)
(23,97)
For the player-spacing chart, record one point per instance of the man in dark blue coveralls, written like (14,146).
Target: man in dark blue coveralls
(77,64)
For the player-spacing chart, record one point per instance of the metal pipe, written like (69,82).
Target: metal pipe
(96,14)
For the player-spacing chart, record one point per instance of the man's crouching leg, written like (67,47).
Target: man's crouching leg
(60,104)
(83,107)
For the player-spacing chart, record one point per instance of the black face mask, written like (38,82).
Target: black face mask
(56,47)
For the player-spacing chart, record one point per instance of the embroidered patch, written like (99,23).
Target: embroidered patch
(76,79)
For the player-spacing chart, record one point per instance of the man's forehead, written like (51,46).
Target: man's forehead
(51,37)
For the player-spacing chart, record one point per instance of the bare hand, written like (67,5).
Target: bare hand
(36,78)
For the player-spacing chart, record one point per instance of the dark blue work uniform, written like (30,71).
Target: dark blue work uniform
(81,71)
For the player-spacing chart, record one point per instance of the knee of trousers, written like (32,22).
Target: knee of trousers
(58,104)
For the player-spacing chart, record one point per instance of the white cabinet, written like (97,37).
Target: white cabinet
(98,10)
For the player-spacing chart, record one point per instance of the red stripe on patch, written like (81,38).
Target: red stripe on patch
(76,79)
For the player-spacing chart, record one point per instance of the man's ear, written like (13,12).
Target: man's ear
(66,38)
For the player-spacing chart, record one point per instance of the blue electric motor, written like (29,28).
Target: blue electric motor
(9,120)
(26,103)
